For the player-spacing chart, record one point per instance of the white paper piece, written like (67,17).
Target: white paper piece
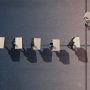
(18,43)
(37,43)
(56,45)
(2,41)
(76,41)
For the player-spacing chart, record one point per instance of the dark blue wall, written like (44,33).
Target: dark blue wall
(43,70)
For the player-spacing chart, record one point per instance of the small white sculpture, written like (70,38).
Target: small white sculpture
(36,43)
(55,45)
(18,43)
(74,43)
(87,18)
(2,41)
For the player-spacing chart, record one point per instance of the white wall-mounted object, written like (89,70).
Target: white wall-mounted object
(18,43)
(2,41)
(76,41)
(37,43)
(87,17)
(56,44)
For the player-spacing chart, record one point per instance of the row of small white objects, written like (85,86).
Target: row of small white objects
(55,42)
(37,43)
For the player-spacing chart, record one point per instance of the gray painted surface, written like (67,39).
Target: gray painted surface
(47,19)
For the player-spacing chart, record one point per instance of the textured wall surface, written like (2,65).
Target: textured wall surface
(43,70)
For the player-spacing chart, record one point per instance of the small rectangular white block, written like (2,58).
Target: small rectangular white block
(37,43)
(2,41)
(56,44)
(18,43)
(77,42)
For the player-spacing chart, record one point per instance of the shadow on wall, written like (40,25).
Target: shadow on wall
(63,56)
(81,54)
(46,54)
(30,54)
(14,53)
